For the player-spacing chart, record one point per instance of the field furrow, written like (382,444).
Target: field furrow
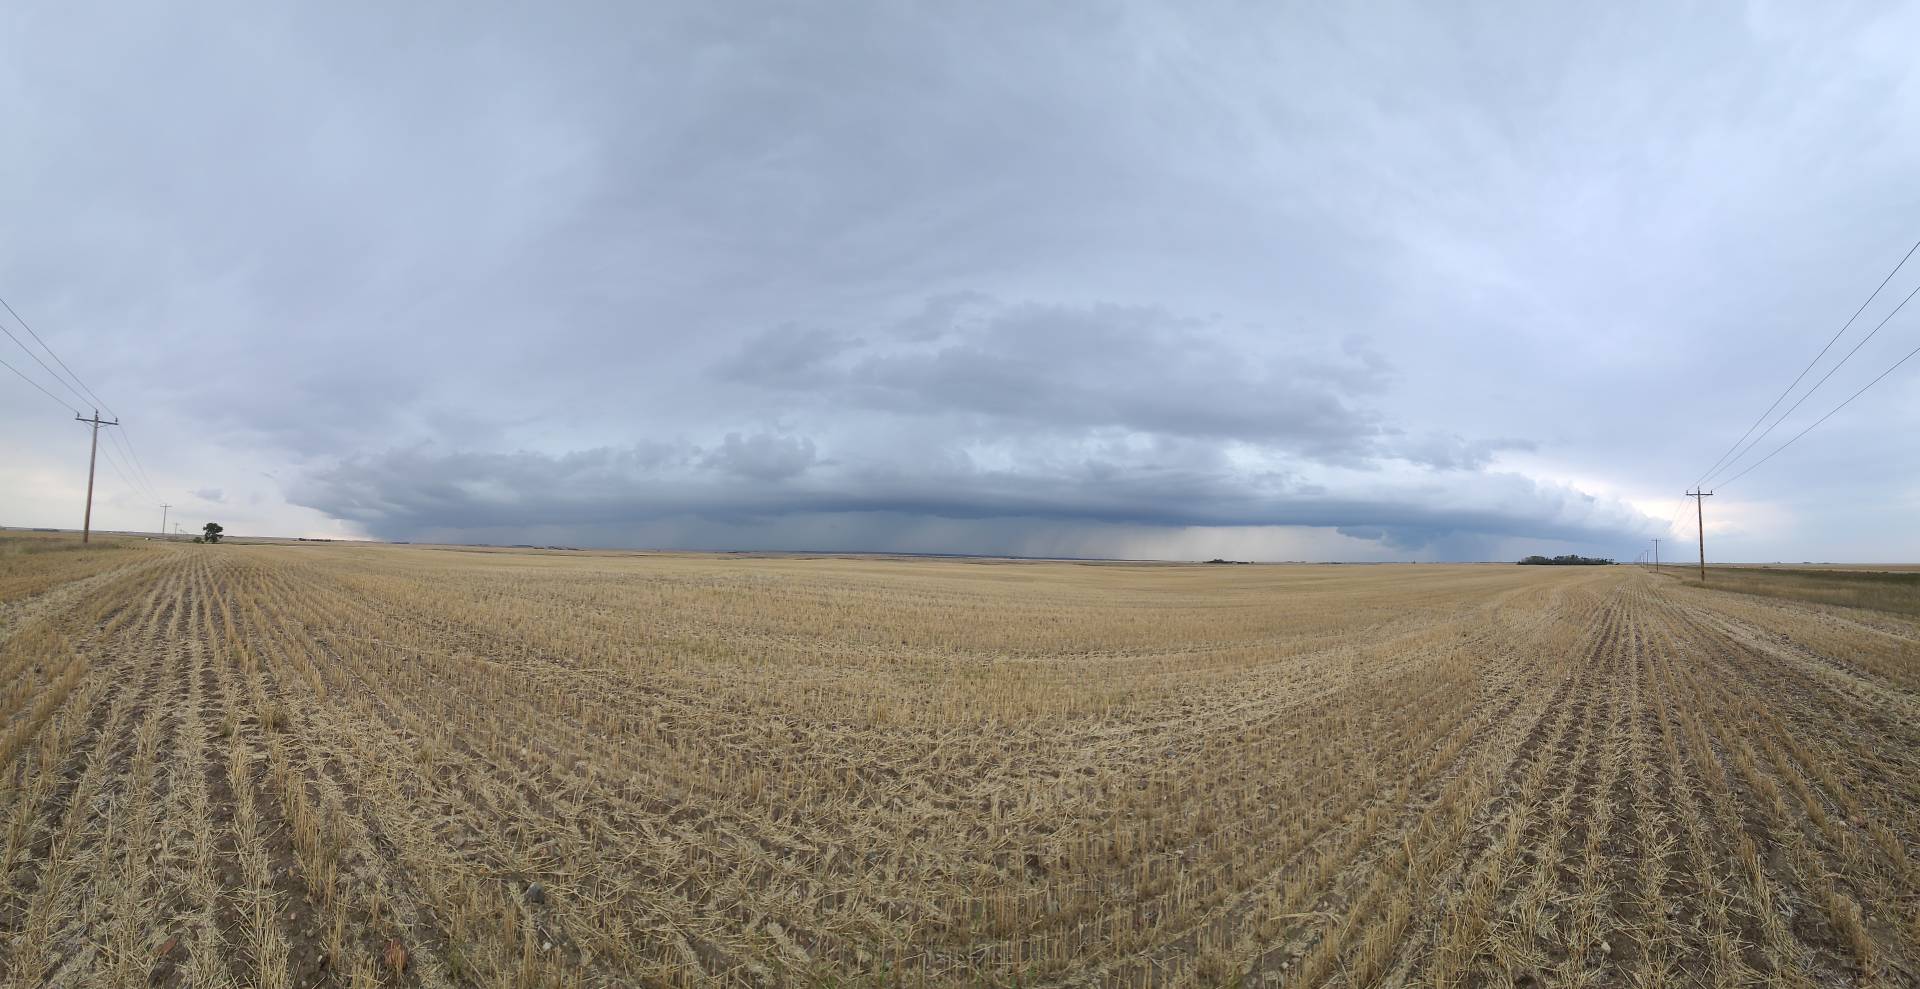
(283,766)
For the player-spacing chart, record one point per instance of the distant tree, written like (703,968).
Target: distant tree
(1569,560)
(214,529)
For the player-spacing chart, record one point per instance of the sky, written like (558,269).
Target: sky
(1146,280)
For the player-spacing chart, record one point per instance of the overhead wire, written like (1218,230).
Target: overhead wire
(56,357)
(1810,365)
(1863,388)
(114,463)
(1677,510)
(137,465)
(1816,385)
(126,451)
(1726,464)
(36,384)
(123,441)
(55,375)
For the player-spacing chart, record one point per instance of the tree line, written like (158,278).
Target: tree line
(1568,560)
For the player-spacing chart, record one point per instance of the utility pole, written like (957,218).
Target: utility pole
(93,455)
(1656,556)
(1700,521)
(163,518)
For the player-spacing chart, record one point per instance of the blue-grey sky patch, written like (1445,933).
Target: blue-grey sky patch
(1148,279)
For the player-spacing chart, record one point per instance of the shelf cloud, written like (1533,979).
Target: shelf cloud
(1167,279)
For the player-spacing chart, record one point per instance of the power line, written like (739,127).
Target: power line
(1823,379)
(113,463)
(130,475)
(1803,371)
(86,524)
(56,357)
(1824,418)
(43,364)
(125,442)
(134,480)
(131,485)
(135,454)
(126,452)
(1677,509)
(1700,519)
(36,384)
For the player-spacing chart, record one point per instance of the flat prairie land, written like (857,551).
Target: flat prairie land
(298,766)
(1896,590)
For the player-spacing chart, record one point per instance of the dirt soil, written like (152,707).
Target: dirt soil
(333,765)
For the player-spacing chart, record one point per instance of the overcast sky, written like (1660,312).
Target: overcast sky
(1183,280)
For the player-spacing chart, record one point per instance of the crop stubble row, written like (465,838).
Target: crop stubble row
(273,766)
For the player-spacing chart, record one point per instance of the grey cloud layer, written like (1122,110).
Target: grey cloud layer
(402,493)
(974,409)
(1071,369)
(1063,277)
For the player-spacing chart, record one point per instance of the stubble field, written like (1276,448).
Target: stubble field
(295,766)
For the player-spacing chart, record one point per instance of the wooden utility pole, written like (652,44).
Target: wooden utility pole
(93,455)
(1700,522)
(163,518)
(1656,556)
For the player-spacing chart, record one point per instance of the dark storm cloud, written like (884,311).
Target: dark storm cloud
(977,409)
(1065,278)
(404,492)
(1078,368)
(1448,451)
(787,357)
(762,457)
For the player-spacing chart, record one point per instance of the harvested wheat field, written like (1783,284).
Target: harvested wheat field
(295,766)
